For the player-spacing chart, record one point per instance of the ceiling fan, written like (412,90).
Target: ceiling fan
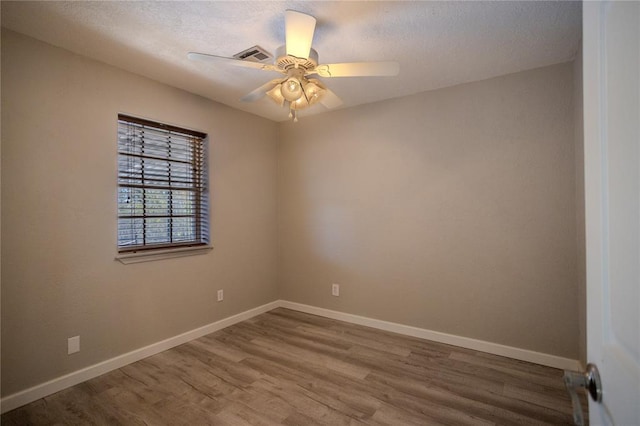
(297,61)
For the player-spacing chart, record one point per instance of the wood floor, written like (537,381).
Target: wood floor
(290,368)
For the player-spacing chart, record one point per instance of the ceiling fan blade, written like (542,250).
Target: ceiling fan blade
(299,28)
(359,69)
(330,99)
(261,91)
(230,61)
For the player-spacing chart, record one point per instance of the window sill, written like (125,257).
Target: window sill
(151,255)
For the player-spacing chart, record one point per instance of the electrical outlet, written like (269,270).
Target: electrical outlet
(220,295)
(73,345)
(335,289)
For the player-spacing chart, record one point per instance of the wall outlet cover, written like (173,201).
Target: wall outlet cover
(335,289)
(73,345)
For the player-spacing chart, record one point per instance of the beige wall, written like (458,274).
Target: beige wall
(59,276)
(452,210)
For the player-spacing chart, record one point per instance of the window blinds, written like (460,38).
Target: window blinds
(162,186)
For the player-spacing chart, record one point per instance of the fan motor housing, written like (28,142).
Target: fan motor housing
(286,62)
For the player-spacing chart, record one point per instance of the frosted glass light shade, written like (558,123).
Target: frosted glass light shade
(276,94)
(291,89)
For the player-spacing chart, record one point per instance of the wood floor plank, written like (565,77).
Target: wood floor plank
(316,358)
(354,403)
(289,368)
(351,339)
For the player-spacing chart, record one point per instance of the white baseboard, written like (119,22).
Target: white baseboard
(436,336)
(26,396)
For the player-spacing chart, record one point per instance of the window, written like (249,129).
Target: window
(162,187)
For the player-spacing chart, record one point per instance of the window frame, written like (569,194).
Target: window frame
(197,185)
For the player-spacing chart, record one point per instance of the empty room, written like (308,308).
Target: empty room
(310,212)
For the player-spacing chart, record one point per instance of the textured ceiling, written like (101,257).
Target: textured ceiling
(437,44)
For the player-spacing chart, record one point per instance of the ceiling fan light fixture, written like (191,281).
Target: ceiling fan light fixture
(314,90)
(291,89)
(298,104)
(276,94)
(297,92)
